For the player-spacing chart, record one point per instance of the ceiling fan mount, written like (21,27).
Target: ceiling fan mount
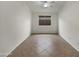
(47,3)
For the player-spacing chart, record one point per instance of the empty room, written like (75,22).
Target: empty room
(39,28)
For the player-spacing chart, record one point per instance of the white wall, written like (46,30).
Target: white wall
(15,24)
(69,23)
(53,28)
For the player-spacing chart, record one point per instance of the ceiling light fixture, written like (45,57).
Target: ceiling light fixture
(47,3)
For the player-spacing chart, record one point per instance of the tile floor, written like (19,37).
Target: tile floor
(44,45)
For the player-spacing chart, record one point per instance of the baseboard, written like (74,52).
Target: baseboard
(6,54)
(44,33)
(65,38)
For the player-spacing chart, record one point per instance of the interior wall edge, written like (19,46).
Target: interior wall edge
(65,38)
(6,54)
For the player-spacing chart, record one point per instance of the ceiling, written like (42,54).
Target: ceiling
(36,6)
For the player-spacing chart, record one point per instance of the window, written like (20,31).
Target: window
(44,20)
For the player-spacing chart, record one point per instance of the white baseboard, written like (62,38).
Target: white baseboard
(6,54)
(65,38)
(17,45)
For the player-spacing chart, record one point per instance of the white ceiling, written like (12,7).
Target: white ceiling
(36,6)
